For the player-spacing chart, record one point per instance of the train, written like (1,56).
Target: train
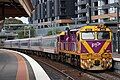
(88,47)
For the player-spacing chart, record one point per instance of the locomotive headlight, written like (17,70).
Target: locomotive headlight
(89,55)
(89,59)
(96,29)
(110,60)
(106,55)
(103,59)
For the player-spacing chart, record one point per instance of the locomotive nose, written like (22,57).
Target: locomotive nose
(97,63)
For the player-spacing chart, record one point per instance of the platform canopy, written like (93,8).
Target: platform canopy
(15,8)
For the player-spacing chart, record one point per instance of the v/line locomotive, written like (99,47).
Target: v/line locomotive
(88,47)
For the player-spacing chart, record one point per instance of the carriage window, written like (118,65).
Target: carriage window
(103,35)
(35,43)
(24,44)
(88,35)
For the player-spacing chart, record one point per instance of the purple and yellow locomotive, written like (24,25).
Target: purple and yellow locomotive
(89,47)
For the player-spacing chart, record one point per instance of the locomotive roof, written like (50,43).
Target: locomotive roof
(95,28)
(84,27)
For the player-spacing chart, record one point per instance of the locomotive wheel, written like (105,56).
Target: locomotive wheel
(72,59)
(78,60)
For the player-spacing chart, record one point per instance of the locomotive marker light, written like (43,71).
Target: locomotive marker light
(88,29)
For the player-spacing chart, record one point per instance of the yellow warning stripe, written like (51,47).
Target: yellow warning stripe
(22,71)
(104,46)
(86,45)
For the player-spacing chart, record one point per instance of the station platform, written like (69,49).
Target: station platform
(18,66)
(116,56)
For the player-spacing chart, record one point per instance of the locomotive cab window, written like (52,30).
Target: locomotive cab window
(103,35)
(88,35)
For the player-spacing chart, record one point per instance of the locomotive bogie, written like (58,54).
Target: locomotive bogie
(96,64)
(91,62)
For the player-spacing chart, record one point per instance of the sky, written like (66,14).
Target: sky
(23,19)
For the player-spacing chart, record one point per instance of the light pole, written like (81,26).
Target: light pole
(75,22)
(29,32)
(89,20)
(118,32)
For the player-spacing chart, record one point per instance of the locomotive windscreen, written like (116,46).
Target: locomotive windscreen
(88,35)
(103,35)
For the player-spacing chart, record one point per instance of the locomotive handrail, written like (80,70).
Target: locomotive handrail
(66,47)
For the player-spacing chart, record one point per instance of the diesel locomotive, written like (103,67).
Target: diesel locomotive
(87,47)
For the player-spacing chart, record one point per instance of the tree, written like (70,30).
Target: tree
(32,32)
(58,31)
(12,21)
(21,31)
(24,32)
(20,34)
(54,31)
(49,33)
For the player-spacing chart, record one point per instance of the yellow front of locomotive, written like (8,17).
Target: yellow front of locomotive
(95,47)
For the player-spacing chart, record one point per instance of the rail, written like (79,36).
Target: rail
(68,77)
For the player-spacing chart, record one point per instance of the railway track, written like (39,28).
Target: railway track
(67,71)
(70,73)
(105,75)
(61,75)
